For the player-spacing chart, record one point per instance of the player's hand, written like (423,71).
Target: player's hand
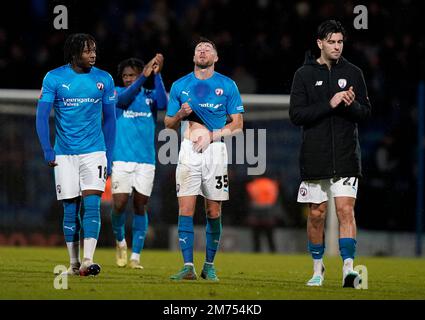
(52,164)
(349,96)
(185,110)
(159,62)
(148,68)
(50,158)
(337,99)
(203,142)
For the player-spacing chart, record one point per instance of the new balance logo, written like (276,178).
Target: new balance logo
(183,240)
(66,86)
(318,83)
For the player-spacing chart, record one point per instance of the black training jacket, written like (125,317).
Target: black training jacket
(330,145)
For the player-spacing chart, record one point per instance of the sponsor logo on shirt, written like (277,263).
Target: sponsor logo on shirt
(318,83)
(134,114)
(210,105)
(75,102)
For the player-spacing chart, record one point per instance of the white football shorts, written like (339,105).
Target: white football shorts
(318,191)
(76,173)
(129,175)
(203,173)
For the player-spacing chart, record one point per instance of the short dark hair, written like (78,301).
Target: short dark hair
(202,40)
(328,27)
(130,62)
(74,45)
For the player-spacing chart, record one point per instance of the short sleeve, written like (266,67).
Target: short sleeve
(110,94)
(234,101)
(173,102)
(48,90)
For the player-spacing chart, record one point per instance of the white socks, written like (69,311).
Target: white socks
(122,243)
(317,267)
(89,247)
(74,252)
(135,256)
(348,265)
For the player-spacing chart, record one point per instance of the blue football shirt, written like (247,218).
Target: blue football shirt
(77,101)
(135,139)
(211,99)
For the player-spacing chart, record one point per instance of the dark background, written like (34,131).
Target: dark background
(260,45)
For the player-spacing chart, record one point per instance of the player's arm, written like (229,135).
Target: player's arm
(44,106)
(160,93)
(234,109)
(176,111)
(126,97)
(359,108)
(109,122)
(300,111)
(173,122)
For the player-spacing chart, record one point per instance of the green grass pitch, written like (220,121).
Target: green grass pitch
(27,273)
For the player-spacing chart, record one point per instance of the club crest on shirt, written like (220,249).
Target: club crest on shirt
(99,85)
(342,83)
(303,191)
(58,188)
(219,91)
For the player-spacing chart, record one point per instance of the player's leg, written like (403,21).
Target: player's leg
(143,184)
(118,218)
(188,186)
(344,192)
(140,228)
(122,177)
(315,194)
(316,244)
(215,189)
(92,182)
(187,206)
(71,230)
(213,234)
(68,190)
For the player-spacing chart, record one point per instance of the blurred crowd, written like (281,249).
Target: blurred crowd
(261,43)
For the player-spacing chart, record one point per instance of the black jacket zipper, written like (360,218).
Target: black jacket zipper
(332,125)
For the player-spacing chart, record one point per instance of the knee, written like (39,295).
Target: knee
(119,206)
(213,213)
(346,213)
(317,216)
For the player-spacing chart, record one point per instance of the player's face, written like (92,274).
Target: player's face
(205,55)
(88,56)
(331,47)
(129,75)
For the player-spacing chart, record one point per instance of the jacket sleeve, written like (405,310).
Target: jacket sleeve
(360,109)
(300,112)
